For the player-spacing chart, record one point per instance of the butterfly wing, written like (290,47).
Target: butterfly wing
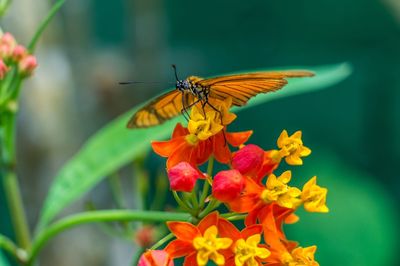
(161,109)
(242,87)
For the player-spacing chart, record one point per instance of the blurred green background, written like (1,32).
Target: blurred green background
(353,128)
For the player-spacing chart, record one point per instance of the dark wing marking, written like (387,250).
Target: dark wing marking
(160,109)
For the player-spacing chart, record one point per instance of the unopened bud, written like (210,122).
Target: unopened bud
(27,65)
(227,185)
(248,160)
(19,53)
(183,177)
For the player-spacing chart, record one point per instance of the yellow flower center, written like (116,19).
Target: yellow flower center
(192,139)
(247,251)
(206,121)
(208,245)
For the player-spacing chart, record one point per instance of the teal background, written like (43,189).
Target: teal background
(353,128)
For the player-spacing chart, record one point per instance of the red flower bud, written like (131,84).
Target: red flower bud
(145,236)
(248,160)
(155,258)
(183,177)
(227,185)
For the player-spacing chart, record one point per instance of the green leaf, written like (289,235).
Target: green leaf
(114,146)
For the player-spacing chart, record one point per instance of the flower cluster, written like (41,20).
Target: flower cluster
(12,55)
(250,188)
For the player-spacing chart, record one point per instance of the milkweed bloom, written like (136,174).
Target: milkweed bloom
(203,137)
(14,54)
(249,186)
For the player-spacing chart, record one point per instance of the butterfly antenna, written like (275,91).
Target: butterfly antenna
(143,82)
(176,75)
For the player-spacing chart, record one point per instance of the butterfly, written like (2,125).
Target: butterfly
(192,90)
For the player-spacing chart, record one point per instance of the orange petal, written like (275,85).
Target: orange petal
(254,229)
(220,149)
(227,229)
(183,230)
(244,203)
(238,138)
(209,220)
(190,260)
(179,130)
(181,154)
(166,148)
(179,248)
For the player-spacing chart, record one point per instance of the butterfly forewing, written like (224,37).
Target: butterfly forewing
(161,109)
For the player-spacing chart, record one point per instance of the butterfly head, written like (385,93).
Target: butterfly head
(182,85)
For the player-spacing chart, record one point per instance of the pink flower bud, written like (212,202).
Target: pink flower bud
(19,53)
(248,160)
(7,45)
(227,185)
(8,39)
(183,177)
(3,69)
(155,258)
(145,236)
(27,65)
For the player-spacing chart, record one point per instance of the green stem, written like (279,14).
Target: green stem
(162,241)
(9,246)
(206,186)
(10,181)
(53,11)
(99,216)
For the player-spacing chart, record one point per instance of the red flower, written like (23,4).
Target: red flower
(185,147)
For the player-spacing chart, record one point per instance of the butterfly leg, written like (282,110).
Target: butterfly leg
(220,115)
(185,108)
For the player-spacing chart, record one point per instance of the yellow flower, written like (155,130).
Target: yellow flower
(277,190)
(314,196)
(206,122)
(292,148)
(300,257)
(207,247)
(247,251)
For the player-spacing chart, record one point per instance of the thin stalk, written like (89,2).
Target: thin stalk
(99,216)
(10,181)
(162,241)
(206,185)
(9,246)
(53,11)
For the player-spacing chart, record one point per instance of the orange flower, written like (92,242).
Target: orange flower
(182,148)
(246,248)
(198,244)
(259,207)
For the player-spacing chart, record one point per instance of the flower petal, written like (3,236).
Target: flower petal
(179,248)
(183,230)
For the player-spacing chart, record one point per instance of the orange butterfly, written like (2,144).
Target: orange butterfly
(193,90)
